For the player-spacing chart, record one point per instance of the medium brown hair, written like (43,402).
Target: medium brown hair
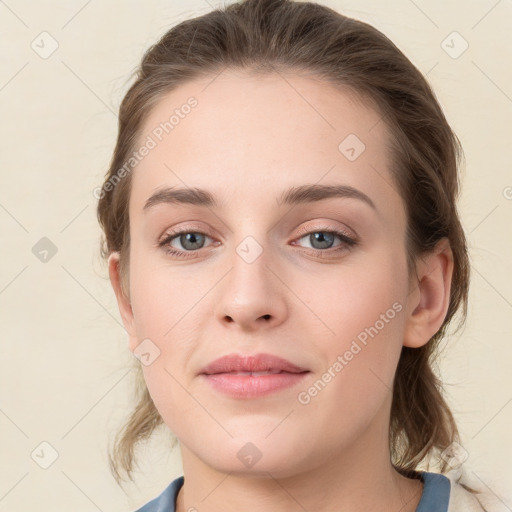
(274,35)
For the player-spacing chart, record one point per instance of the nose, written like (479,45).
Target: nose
(252,295)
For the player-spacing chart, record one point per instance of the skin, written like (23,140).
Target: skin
(251,137)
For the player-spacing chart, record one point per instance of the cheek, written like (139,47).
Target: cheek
(167,307)
(162,297)
(166,315)
(348,299)
(355,384)
(360,334)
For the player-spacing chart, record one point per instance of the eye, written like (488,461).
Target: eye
(322,239)
(189,240)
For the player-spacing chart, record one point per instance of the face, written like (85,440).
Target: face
(320,281)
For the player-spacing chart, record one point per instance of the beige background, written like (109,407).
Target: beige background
(64,375)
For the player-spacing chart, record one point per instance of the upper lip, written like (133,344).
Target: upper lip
(251,363)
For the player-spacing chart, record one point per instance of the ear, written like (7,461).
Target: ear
(123,300)
(429,295)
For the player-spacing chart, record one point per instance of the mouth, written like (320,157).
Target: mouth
(251,364)
(253,374)
(247,377)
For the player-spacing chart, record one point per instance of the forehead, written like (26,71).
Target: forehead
(244,134)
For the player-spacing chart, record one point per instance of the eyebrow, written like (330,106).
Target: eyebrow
(295,195)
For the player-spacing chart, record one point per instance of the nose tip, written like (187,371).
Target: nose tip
(265,317)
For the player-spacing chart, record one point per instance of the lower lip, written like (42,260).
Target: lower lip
(248,386)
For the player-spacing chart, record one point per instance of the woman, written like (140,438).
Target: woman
(285,249)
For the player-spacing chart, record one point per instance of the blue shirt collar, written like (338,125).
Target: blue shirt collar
(435,496)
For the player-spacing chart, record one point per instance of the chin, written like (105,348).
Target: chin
(253,455)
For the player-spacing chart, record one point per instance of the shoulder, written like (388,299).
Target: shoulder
(446,492)
(166,500)
(462,499)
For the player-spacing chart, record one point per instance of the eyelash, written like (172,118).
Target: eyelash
(347,242)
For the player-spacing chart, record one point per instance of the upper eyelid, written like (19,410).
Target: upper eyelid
(303,231)
(322,227)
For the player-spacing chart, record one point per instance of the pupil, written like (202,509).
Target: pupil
(324,240)
(190,238)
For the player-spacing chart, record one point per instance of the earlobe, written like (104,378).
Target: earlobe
(123,300)
(430,297)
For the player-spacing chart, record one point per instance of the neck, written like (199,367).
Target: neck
(361,478)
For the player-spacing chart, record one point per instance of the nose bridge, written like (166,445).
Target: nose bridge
(249,241)
(250,259)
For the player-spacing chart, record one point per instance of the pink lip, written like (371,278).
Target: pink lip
(220,374)
(250,363)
